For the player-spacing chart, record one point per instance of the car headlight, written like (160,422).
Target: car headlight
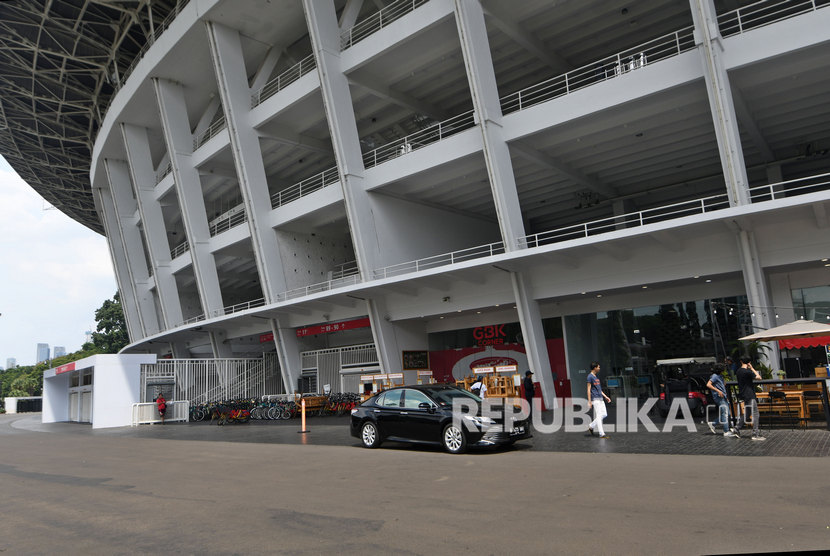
(483,420)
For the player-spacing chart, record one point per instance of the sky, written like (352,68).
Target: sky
(55,274)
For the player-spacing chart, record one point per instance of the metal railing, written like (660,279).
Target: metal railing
(432,134)
(364,354)
(320,287)
(440,260)
(225,223)
(161,28)
(244,306)
(763,13)
(206,380)
(180,249)
(757,194)
(348,273)
(630,220)
(212,130)
(163,172)
(147,413)
(790,188)
(344,270)
(303,188)
(626,61)
(191,320)
(283,80)
(377,21)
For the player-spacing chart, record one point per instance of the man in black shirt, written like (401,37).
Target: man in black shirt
(746,391)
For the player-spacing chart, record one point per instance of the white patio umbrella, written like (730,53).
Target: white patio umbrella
(795,329)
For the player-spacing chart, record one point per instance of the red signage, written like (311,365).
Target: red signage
(333,327)
(489,335)
(322,329)
(65,368)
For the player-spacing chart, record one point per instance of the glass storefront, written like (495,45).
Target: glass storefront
(628,342)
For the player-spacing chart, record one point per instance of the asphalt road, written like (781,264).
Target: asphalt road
(157,490)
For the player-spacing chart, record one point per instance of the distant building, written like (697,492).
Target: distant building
(57,351)
(11,363)
(42,353)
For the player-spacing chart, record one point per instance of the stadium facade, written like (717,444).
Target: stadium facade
(467,182)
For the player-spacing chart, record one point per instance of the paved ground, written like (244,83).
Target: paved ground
(262,487)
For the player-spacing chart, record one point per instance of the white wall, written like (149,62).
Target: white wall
(307,258)
(55,398)
(408,231)
(116,386)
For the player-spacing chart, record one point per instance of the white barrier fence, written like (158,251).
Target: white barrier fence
(146,413)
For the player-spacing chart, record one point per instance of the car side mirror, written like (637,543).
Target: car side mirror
(426,405)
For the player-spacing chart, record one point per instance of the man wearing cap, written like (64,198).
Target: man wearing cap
(530,390)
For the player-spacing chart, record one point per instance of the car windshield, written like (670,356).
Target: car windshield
(446,396)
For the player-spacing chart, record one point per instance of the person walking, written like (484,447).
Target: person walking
(530,391)
(598,398)
(746,390)
(718,389)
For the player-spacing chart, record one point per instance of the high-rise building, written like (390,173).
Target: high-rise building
(453,184)
(11,363)
(42,353)
(57,351)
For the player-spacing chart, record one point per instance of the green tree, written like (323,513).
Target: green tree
(111,334)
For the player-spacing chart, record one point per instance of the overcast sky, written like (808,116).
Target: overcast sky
(55,274)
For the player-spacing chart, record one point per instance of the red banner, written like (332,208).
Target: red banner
(266,338)
(65,368)
(333,327)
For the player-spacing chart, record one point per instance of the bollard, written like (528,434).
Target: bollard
(302,417)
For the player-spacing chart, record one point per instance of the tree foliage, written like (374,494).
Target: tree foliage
(111,334)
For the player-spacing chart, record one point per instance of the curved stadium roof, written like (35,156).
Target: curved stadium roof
(60,63)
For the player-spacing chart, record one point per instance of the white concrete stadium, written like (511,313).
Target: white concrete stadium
(546,182)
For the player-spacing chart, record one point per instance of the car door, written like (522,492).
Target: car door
(387,412)
(419,423)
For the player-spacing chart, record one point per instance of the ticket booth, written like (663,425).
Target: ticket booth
(98,390)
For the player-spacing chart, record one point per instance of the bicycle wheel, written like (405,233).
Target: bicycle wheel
(273,413)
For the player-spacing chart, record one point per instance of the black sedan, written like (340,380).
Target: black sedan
(424,414)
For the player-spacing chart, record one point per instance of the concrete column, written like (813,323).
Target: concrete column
(472,33)
(126,212)
(530,320)
(383,334)
(710,47)
(179,350)
(288,354)
(229,65)
(325,41)
(119,256)
(219,344)
(140,163)
(176,128)
(763,314)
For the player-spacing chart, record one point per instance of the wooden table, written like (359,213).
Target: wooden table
(820,380)
(795,400)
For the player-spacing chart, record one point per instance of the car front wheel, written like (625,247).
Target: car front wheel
(454,440)
(369,435)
